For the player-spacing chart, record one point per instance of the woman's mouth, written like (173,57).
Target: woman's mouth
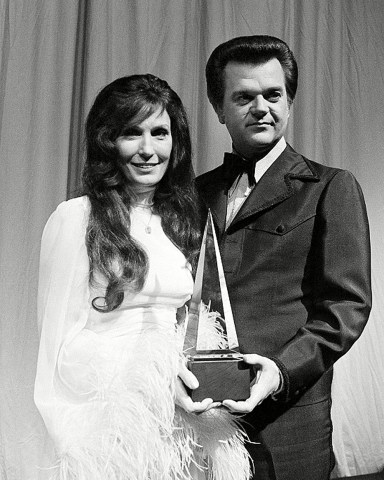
(145,166)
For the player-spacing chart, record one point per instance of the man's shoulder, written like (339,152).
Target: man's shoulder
(319,170)
(207,178)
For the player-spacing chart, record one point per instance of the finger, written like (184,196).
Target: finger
(238,407)
(188,377)
(253,359)
(202,406)
(246,406)
(182,397)
(186,403)
(197,407)
(214,405)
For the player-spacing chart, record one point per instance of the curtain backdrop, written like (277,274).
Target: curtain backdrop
(56,55)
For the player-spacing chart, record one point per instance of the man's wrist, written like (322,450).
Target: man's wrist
(284,387)
(280,388)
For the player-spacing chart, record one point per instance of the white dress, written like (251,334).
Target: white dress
(105,383)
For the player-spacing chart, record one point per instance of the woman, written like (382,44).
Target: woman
(114,270)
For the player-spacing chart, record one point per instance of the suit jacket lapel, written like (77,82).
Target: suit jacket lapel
(276,185)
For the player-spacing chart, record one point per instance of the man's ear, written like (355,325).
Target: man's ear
(220,114)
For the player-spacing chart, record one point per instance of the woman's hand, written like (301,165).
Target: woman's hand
(187,379)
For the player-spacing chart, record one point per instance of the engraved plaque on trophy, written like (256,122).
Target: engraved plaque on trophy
(210,343)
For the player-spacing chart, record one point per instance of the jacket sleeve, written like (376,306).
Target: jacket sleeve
(341,286)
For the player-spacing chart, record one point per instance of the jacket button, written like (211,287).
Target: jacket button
(280,229)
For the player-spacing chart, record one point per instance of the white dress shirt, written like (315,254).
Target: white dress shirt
(240,189)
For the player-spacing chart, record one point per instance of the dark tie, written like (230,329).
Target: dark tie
(234,166)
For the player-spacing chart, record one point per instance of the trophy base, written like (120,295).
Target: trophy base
(225,379)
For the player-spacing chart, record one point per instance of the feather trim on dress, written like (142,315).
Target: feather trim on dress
(120,421)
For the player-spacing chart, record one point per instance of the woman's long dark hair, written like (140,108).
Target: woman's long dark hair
(111,249)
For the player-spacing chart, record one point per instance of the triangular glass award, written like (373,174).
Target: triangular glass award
(211,343)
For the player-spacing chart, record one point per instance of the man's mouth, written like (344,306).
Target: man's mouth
(259,124)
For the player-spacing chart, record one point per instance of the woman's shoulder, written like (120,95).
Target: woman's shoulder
(69,214)
(79,205)
(73,210)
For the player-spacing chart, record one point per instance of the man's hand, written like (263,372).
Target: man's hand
(266,382)
(187,378)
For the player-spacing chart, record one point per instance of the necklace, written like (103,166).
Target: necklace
(143,205)
(147,226)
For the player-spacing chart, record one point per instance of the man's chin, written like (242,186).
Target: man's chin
(257,147)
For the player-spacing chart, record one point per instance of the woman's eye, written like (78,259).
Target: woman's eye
(131,132)
(160,132)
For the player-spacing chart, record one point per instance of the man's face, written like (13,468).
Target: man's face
(255,108)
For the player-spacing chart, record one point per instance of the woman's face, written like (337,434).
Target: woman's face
(145,149)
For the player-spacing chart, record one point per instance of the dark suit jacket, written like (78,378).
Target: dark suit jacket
(297,265)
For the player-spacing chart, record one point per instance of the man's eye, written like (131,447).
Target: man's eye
(243,99)
(273,97)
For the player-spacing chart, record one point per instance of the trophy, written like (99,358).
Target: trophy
(210,343)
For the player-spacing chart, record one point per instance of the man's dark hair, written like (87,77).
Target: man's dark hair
(256,50)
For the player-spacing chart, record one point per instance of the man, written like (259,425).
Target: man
(294,241)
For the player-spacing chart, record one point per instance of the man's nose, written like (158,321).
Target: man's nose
(146,149)
(259,106)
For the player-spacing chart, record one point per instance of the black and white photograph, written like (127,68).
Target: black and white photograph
(192,239)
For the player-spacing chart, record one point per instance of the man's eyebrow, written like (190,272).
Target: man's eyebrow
(251,91)
(278,88)
(243,91)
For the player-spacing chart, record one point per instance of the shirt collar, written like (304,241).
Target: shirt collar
(265,162)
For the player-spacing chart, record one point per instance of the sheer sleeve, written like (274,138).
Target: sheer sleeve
(63,301)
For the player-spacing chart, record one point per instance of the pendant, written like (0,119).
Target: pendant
(148,229)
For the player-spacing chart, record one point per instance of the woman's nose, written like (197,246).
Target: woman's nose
(146,149)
